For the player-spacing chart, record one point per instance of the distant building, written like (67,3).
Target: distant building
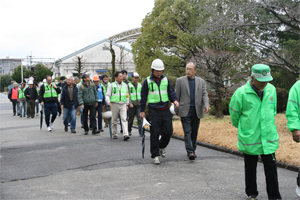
(97,60)
(8,65)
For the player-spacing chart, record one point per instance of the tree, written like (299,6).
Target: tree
(79,65)
(5,80)
(16,76)
(39,72)
(272,27)
(113,60)
(122,57)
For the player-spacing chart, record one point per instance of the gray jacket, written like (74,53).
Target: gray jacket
(183,94)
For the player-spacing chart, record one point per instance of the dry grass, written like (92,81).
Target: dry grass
(220,132)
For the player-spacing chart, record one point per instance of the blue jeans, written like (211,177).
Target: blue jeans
(81,115)
(190,125)
(22,106)
(50,108)
(70,113)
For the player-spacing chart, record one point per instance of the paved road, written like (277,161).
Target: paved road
(57,165)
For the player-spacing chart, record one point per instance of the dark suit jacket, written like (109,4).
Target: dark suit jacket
(182,90)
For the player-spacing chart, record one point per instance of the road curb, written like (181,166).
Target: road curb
(237,153)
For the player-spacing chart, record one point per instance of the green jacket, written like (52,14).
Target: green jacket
(87,95)
(293,108)
(255,120)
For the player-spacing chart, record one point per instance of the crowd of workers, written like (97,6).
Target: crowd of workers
(252,109)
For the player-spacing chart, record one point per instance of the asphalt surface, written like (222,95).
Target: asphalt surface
(36,164)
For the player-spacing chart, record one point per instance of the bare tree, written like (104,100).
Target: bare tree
(121,60)
(79,65)
(113,60)
(223,70)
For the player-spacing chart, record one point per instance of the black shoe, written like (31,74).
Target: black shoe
(129,134)
(18,114)
(98,131)
(101,130)
(73,131)
(21,116)
(126,137)
(95,132)
(192,156)
(86,132)
(66,129)
(121,131)
(28,116)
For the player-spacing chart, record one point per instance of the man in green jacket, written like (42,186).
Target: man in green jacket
(88,100)
(293,117)
(252,110)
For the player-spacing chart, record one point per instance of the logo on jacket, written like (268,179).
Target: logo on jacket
(271,98)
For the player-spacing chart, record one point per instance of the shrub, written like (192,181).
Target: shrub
(225,107)
(282,98)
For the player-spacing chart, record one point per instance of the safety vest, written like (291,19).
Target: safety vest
(135,94)
(14,93)
(105,88)
(118,95)
(37,90)
(49,91)
(158,94)
(21,93)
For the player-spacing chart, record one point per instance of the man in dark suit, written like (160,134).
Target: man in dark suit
(193,102)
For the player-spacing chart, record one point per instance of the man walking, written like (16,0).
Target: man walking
(61,84)
(135,89)
(252,110)
(88,100)
(101,101)
(293,117)
(13,97)
(22,100)
(105,85)
(116,97)
(158,91)
(31,98)
(69,103)
(48,98)
(193,102)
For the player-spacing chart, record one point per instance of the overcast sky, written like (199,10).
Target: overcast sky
(56,28)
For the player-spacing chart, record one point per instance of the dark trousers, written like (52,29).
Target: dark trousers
(15,105)
(298,179)
(99,109)
(92,110)
(135,111)
(270,169)
(190,125)
(50,108)
(161,125)
(30,108)
(58,108)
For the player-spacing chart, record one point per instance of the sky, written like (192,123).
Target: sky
(57,28)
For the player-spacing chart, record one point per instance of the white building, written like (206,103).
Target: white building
(97,60)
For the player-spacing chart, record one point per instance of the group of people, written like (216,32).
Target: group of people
(252,110)
(25,99)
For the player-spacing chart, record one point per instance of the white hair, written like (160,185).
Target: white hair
(70,76)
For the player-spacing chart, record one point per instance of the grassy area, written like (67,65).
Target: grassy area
(221,132)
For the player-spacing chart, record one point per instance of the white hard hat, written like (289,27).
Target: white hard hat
(107,114)
(172,109)
(157,64)
(30,82)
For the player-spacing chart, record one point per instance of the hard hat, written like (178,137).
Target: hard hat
(30,82)
(96,78)
(107,114)
(172,109)
(157,64)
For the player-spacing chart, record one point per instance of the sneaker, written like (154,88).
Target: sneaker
(49,129)
(162,152)
(115,137)
(126,137)
(156,161)
(192,156)
(73,131)
(86,132)
(51,125)
(66,129)
(298,191)
(252,197)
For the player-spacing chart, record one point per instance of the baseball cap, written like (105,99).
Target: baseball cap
(261,72)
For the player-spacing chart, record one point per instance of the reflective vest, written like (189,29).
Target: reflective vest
(158,94)
(105,88)
(37,90)
(118,95)
(49,92)
(14,93)
(135,94)
(21,93)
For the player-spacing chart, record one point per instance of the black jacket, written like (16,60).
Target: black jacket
(32,92)
(48,100)
(65,96)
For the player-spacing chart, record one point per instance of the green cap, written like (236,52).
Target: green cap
(262,72)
